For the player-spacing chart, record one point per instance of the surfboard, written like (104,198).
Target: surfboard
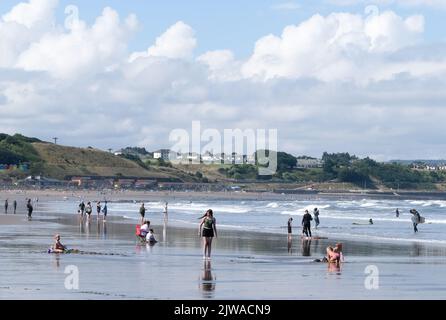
(415,220)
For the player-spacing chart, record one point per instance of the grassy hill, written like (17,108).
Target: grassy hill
(60,161)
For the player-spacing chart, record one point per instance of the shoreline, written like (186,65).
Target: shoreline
(134,195)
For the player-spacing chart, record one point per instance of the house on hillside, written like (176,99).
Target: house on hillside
(309,163)
(162,154)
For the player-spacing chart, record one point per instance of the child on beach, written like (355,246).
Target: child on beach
(150,237)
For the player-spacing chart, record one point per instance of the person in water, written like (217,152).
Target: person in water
(6,206)
(316,216)
(58,247)
(397,212)
(371,221)
(416,219)
(208,230)
(14,205)
(166,216)
(306,223)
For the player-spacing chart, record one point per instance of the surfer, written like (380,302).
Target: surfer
(416,219)
(6,206)
(316,216)
(208,230)
(397,212)
(306,223)
(14,205)
(82,208)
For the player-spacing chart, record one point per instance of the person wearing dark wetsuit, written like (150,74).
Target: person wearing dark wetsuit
(416,219)
(14,205)
(82,208)
(397,212)
(306,223)
(30,208)
(6,206)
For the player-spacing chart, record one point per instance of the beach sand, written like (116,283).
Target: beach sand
(245,265)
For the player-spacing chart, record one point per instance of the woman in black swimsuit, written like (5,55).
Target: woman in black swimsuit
(208,230)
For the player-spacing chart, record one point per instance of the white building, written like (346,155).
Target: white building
(162,154)
(309,163)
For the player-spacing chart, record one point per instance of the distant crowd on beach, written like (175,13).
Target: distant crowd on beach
(29,206)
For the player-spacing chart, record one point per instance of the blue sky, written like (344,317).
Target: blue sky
(328,76)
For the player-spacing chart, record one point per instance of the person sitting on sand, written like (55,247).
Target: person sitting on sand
(338,249)
(150,237)
(145,228)
(58,247)
(333,256)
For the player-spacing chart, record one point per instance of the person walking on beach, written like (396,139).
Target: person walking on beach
(14,205)
(82,208)
(306,223)
(98,208)
(316,216)
(30,208)
(165,211)
(6,206)
(290,229)
(397,212)
(142,212)
(88,210)
(105,211)
(416,219)
(208,230)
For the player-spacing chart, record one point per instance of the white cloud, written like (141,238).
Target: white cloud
(178,42)
(333,47)
(82,49)
(31,13)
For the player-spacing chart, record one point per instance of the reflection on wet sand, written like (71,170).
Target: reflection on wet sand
(207,281)
(306,248)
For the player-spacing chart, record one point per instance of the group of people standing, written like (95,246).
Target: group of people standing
(87,209)
(29,207)
(306,223)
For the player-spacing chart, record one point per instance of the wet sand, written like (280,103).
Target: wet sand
(245,265)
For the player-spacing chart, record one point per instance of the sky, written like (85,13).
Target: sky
(365,77)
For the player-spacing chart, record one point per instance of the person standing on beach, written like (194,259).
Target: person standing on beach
(208,230)
(98,208)
(14,205)
(30,208)
(6,206)
(105,210)
(416,219)
(397,212)
(316,216)
(290,229)
(165,211)
(142,212)
(82,208)
(306,223)
(88,210)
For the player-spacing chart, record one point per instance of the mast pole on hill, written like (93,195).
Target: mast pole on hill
(55,140)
